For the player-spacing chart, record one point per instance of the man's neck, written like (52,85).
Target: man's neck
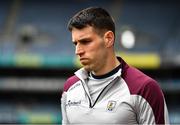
(111,64)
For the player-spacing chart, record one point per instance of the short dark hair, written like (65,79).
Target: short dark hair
(96,17)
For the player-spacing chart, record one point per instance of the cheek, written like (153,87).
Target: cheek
(100,50)
(95,50)
(98,47)
(99,54)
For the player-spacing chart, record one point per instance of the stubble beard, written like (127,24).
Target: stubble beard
(88,67)
(95,67)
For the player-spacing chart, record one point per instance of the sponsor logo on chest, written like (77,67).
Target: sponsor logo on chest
(73,103)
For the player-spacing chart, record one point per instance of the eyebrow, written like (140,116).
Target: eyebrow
(81,40)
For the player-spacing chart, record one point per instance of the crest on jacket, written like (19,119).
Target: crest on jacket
(111,105)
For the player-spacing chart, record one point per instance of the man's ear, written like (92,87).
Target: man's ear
(109,39)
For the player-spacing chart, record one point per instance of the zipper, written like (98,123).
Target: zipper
(102,93)
(89,99)
(105,90)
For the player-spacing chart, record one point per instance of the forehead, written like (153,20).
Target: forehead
(86,32)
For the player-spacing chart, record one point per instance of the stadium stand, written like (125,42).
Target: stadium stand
(37,57)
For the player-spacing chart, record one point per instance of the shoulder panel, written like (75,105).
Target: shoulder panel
(141,84)
(70,81)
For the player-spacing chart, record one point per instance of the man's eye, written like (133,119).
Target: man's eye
(75,43)
(85,41)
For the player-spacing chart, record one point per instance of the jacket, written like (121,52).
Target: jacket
(130,98)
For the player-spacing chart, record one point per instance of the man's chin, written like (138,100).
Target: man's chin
(87,68)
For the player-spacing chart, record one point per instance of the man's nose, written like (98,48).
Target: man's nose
(79,50)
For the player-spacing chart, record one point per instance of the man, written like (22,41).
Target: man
(107,90)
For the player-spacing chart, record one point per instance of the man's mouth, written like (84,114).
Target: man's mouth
(84,60)
(81,59)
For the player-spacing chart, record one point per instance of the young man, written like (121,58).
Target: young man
(107,90)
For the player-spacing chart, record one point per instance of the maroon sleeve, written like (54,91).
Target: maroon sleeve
(154,96)
(148,88)
(70,82)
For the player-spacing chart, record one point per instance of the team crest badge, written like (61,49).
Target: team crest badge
(111,105)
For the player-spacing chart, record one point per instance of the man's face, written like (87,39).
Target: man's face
(89,47)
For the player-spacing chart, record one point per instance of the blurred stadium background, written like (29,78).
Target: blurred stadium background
(36,53)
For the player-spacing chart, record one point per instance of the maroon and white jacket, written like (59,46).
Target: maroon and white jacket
(131,97)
